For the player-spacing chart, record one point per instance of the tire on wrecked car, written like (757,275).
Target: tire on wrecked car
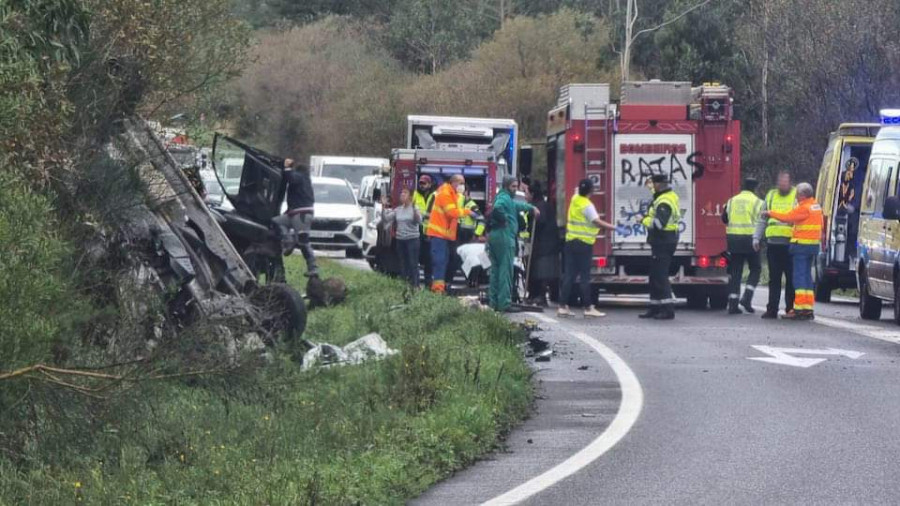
(282,309)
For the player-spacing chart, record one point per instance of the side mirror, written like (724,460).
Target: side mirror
(366,203)
(525,157)
(892,208)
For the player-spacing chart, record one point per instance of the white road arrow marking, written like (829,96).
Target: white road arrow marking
(783,356)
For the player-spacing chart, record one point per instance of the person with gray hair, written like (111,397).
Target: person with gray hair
(806,235)
(503,226)
(778,242)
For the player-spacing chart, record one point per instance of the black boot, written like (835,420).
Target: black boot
(666,312)
(747,301)
(651,312)
(733,307)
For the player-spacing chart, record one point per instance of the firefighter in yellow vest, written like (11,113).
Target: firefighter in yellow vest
(741,218)
(662,222)
(424,193)
(582,226)
(469,225)
(777,235)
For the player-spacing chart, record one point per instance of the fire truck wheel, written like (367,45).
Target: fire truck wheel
(718,298)
(697,300)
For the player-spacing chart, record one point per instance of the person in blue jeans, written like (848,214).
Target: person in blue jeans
(406,220)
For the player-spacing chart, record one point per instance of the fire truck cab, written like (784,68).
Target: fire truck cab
(686,133)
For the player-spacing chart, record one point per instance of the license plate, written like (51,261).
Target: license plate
(319,234)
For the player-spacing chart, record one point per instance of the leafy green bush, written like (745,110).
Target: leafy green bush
(34,294)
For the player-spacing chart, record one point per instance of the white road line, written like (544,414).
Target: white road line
(629,410)
(873,331)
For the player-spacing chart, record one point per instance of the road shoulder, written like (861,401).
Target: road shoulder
(578,397)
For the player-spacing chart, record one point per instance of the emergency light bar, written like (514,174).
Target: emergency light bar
(890,116)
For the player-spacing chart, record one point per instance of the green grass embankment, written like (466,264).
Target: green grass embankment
(378,433)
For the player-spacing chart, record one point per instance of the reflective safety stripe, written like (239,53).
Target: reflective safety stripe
(576,228)
(441,230)
(743,213)
(804,299)
(775,201)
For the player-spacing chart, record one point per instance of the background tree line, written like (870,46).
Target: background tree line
(341,76)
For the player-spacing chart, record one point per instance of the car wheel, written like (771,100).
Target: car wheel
(896,301)
(282,311)
(869,306)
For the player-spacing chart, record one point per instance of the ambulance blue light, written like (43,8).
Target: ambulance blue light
(890,116)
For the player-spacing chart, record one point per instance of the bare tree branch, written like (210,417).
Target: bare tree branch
(670,21)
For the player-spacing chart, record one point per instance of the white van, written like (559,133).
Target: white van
(350,168)
(370,192)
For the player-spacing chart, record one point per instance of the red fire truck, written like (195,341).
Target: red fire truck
(671,128)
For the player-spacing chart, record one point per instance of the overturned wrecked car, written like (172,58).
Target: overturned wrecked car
(177,245)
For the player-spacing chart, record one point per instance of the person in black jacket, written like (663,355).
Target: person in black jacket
(299,214)
(662,235)
(544,262)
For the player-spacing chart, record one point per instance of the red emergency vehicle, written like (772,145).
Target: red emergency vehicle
(483,150)
(687,133)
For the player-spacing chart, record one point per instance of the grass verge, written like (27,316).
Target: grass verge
(379,433)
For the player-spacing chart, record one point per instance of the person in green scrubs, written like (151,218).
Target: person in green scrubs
(501,242)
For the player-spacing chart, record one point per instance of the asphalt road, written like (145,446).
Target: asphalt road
(715,427)
(712,425)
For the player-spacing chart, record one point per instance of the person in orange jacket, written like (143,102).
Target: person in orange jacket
(442,227)
(805,239)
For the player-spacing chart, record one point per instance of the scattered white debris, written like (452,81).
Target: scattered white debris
(472,301)
(368,347)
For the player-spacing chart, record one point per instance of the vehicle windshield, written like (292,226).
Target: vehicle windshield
(333,194)
(352,173)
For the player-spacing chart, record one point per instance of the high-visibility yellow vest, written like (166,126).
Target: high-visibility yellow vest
(671,199)
(775,201)
(467,222)
(577,226)
(525,233)
(421,203)
(743,213)
(426,214)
